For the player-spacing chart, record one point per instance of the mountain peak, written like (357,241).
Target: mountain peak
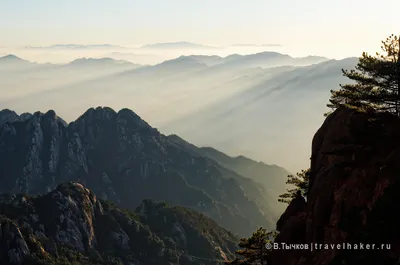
(182,61)
(7,115)
(125,160)
(106,112)
(271,54)
(11,57)
(74,189)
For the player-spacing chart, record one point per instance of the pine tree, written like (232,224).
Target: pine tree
(376,81)
(300,181)
(254,250)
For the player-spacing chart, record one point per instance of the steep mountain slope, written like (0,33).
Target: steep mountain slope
(272,177)
(71,226)
(265,195)
(353,196)
(121,158)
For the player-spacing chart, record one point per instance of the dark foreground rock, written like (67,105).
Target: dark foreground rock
(354,193)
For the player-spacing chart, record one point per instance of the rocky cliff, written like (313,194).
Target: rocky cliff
(71,226)
(122,159)
(353,194)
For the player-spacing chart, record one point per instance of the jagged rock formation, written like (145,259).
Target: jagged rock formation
(353,194)
(71,226)
(122,159)
(8,116)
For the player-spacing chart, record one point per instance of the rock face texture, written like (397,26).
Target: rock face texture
(123,159)
(353,194)
(71,226)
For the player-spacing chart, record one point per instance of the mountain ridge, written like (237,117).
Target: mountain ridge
(214,59)
(11,57)
(233,162)
(123,159)
(103,59)
(177,45)
(76,46)
(215,97)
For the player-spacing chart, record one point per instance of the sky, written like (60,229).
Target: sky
(335,28)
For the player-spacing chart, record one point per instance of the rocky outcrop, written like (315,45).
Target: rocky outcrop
(71,226)
(8,116)
(13,247)
(122,159)
(296,206)
(353,194)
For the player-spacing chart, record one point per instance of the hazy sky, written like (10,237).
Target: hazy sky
(334,28)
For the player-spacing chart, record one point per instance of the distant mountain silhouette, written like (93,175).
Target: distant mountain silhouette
(239,104)
(12,62)
(270,117)
(77,46)
(207,59)
(177,45)
(182,64)
(101,61)
(96,60)
(257,45)
(270,59)
(21,77)
(262,59)
(10,57)
(182,61)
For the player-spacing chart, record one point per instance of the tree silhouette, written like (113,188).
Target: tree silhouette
(376,81)
(300,181)
(253,249)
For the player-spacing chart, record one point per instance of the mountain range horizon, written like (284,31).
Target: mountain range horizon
(14,56)
(207,80)
(199,132)
(153,52)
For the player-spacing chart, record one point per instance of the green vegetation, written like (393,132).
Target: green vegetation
(300,181)
(70,226)
(376,81)
(253,249)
